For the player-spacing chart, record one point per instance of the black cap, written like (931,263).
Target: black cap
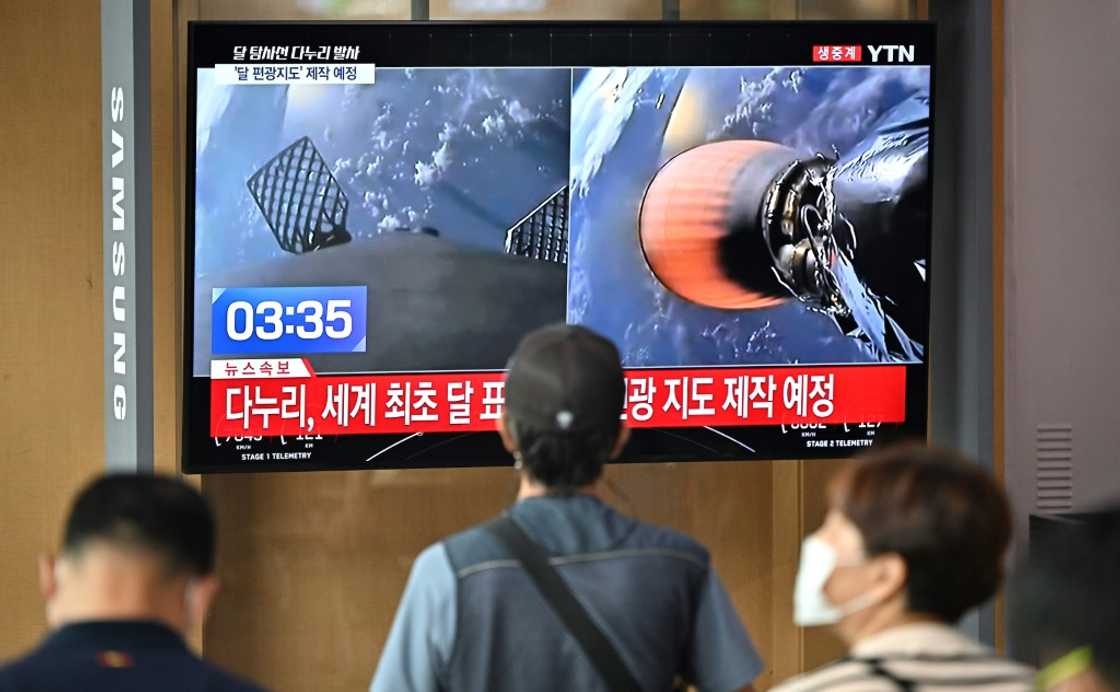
(565,379)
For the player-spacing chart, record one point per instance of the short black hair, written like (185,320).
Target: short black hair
(1064,596)
(564,462)
(154,513)
(945,516)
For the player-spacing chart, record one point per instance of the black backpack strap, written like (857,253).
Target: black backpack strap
(563,602)
(877,669)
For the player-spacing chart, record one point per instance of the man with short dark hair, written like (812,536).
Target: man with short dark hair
(563,592)
(135,575)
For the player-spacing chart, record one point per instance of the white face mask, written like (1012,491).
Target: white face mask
(811,606)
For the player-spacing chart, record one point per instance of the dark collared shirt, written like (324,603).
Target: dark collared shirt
(116,656)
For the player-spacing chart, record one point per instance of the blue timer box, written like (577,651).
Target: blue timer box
(288,320)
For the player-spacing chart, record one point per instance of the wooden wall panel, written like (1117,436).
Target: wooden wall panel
(300,9)
(785,657)
(166,239)
(314,564)
(50,287)
(553,10)
(799,507)
(819,646)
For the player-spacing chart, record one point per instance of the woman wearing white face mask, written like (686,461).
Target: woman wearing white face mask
(914,538)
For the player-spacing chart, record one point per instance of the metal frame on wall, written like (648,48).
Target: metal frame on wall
(126,155)
(962,334)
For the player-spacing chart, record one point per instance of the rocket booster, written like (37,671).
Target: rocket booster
(744,224)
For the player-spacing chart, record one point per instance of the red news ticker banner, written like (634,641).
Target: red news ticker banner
(299,402)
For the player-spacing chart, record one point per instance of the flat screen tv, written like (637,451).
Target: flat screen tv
(377,213)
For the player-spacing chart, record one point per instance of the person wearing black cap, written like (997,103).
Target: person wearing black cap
(562,592)
(135,576)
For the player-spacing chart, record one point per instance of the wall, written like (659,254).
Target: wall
(1062,253)
(50,287)
(314,564)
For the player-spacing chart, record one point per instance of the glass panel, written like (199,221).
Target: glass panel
(304,9)
(738,9)
(855,9)
(546,9)
(556,9)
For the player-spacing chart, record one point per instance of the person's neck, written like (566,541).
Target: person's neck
(530,488)
(106,593)
(888,617)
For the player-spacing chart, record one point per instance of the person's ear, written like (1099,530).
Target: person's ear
(620,443)
(48,579)
(48,586)
(201,592)
(507,435)
(891,574)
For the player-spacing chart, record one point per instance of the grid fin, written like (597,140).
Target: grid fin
(301,200)
(543,233)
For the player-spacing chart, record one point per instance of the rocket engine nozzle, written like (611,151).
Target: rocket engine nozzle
(721,225)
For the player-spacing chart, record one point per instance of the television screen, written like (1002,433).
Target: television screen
(377,213)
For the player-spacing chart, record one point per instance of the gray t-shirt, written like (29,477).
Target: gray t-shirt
(471,619)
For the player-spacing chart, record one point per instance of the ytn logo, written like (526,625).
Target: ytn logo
(889,53)
(854,53)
